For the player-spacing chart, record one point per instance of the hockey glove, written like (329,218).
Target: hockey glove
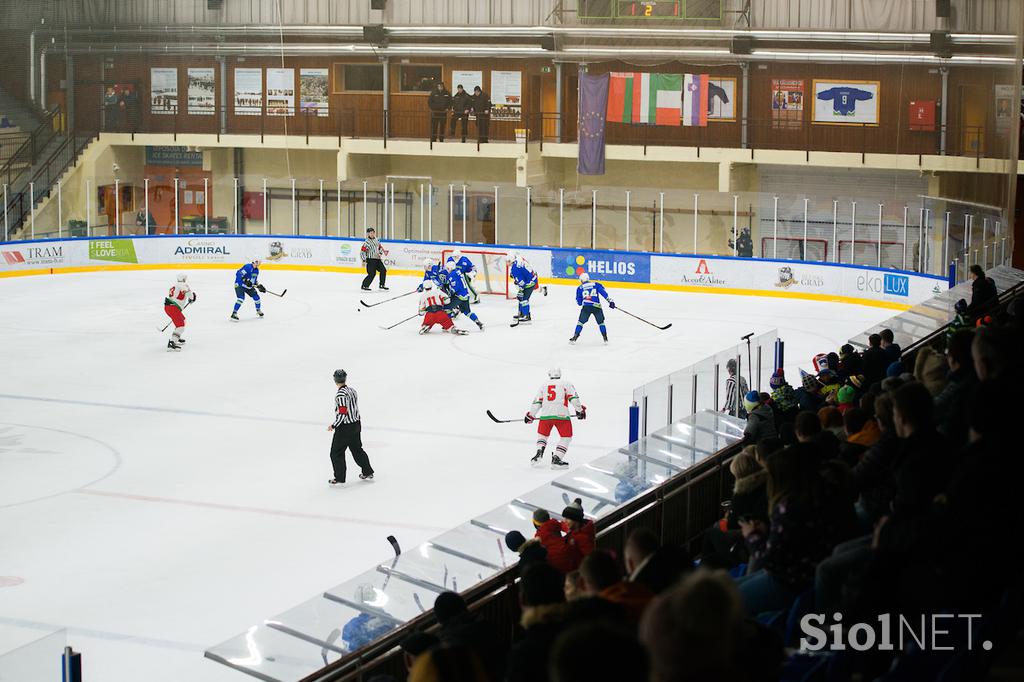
(611,304)
(263,289)
(582,414)
(194,297)
(528,418)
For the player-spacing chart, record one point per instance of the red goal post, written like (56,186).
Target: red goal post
(492,271)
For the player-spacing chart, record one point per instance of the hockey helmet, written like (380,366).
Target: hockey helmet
(960,306)
(428,263)
(182,277)
(255,260)
(584,277)
(555,373)
(450,265)
(456,254)
(340,376)
(365,593)
(514,257)
(428,285)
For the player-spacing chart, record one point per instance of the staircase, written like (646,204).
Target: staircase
(31,171)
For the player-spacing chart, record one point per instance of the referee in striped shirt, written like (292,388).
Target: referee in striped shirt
(347,431)
(372,254)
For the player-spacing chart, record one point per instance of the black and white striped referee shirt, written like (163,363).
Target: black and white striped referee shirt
(372,249)
(346,406)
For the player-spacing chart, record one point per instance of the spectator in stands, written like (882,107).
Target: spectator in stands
(448,663)
(439,102)
(462,103)
(805,524)
(482,110)
(602,577)
(651,564)
(735,389)
(111,110)
(783,401)
(723,545)
(529,551)
(830,385)
(846,398)
(983,291)
(889,345)
(760,419)
(542,599)
(591,652)
(952,401)
(850,362)
(923,464)
(990,350)
(807,426)
(961,320)
(832,420)
(573,586)
(875,360)
(416,643)
(692,632)
(861,433)
(563,555)
(874,474)
(930,369)
(579,531)
(461,628)
(808,396)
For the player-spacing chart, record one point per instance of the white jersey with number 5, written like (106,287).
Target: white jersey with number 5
(554,400)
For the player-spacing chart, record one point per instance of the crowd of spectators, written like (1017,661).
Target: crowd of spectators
(884,483)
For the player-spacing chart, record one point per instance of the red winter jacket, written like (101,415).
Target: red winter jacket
(563,555)
(585,539)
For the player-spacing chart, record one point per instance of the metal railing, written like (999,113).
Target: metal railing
(25,155)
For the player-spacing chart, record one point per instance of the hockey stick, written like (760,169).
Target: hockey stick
(419,604)
(398,553)
(509,421)
(331,639)
(169,323)
(280,295)
(393,298)
(401,321)
(637,317)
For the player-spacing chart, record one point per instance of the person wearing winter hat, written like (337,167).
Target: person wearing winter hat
(808,396)
(895,369)
(961,320)
(760,419)
(830,384)
(846,397)
(562,555)
(850,362)
(783,397)
(578,530)
(529,551)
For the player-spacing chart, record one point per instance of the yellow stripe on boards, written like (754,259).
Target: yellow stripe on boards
(729,291)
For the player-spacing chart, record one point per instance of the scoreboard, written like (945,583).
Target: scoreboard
(649,9)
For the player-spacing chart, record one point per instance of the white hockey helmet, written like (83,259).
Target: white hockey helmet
(456,254)
(514,257)
(429,263)
(555,373)
(256,260)
(365,593)
(450,265)
(182,277)
(584,277)
(428,285)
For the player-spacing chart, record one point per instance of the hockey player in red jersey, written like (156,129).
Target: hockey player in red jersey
(177,298)
(551,408)
(432,307)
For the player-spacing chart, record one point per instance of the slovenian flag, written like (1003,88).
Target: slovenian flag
(695,99)
(652,98)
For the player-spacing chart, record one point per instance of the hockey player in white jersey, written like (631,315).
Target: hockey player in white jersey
(433,308)
(551,408)
(177,298)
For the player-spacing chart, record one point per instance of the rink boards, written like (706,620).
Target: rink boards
(836,282)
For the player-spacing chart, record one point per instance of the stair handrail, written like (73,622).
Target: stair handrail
(30,147)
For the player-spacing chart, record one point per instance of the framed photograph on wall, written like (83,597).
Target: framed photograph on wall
(248,97)
(721,99)
(201,92)
(280,92)
(163,91)
(313,91)
(845,102)
(787,103)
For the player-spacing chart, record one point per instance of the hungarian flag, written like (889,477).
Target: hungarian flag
(695,99)
(645,98)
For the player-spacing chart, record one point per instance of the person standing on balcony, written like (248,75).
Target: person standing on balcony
(482,109)
(439,102)
(462,104)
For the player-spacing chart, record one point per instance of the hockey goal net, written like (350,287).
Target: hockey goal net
(792,248)
(492,271)
(867,253)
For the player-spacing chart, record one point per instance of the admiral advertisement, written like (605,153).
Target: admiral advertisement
(608,266)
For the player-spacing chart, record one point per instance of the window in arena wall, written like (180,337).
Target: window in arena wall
(419,77)
(357,78)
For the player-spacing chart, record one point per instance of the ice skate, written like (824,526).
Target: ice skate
(181,342)
(457,332)
(557,462)
(423,330)
(572,341)
(335,481)
(366,288)
(536,458)
(234,316)
(171,345)
(383,288)
(480,325)
(259,313)
(365,477)
(605,337)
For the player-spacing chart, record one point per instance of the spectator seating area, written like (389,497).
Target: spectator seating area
(879,482)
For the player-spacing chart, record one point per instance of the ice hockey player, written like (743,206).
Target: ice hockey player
(467,268)
(246,284)
(177,298)
(460,292)
(432,306)
(588,297)
(367,626)
(551,408)
(526,280)
(431,273)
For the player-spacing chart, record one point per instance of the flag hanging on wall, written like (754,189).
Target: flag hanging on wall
(695,99)
(593,102)
(651,98)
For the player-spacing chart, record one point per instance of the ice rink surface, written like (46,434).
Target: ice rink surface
(158,503)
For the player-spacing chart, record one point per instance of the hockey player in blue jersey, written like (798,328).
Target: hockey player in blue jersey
(588,297)
(526,280)
(460,292)
(431,273)
(246,284)
(467,268)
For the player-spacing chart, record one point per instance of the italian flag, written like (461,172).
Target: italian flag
(645,98)
(695,99)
